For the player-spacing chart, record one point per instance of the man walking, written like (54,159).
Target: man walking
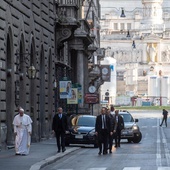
(59,126)
(112,119)
(22,129)
(119,126)
(165,115)
(103,128)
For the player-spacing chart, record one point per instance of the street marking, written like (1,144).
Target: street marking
(125,168)
(131,168)
(164,141)
(158,148)
(96,168)
(144,127)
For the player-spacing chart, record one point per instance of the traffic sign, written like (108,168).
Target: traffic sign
(91,98)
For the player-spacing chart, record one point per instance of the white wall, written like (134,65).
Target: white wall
(109,86)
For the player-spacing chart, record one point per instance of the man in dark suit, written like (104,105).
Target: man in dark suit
(59,126)
(103,128)
(119,126)
(113,125)
(165,115)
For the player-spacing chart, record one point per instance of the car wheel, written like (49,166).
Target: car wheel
(137,138)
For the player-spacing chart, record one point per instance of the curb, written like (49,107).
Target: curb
(52,159)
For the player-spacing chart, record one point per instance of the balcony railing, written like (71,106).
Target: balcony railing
(67,2)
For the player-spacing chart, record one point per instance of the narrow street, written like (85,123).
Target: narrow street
(151,153)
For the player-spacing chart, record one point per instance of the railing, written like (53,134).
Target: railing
(67,2)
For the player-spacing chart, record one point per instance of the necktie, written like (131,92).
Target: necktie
(103,125)
(60,116)
(117,119)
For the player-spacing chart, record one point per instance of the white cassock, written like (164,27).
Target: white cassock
(22,126)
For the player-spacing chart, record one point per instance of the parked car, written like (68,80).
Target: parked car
(81,130)
(131,132)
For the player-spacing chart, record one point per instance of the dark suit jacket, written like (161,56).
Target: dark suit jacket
(55,123)
(98,125)
(120,124)
(113,123)
(165,113)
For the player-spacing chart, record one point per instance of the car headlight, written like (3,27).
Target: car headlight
(135,127)
(92,132)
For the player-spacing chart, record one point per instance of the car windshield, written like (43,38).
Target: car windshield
(127,117)
(86,121)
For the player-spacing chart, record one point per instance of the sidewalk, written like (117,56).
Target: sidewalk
(41,154)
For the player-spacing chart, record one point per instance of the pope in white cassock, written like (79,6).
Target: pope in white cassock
(22,129)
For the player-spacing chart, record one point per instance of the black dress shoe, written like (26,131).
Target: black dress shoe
(100,153)
(23,154)
(63,150)
(110,151)
(104,153)
(17,154)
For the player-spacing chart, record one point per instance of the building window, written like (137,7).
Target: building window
(115,26)
(129,26)
(122,26)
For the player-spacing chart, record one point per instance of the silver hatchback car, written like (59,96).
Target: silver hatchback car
(131,130)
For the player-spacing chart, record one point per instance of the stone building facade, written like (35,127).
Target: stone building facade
(27,38)
(76,49)
(137,33)
(57,38)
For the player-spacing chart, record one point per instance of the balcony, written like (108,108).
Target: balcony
(66,20)
(84,32)
(66,13)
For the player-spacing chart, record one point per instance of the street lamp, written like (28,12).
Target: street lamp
(122,13)
(133,45)
(31,72)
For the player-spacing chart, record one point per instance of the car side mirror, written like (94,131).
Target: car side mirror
(136,120)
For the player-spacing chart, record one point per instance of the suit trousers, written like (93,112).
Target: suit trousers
(103,139)
(164,119)
(60,138)
(110,142)
(117,137)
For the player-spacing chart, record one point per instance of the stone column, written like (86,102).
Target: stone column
(158,53)
(144,54)
(80,73)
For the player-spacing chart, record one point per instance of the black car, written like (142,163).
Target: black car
(131,132)
(82,130)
